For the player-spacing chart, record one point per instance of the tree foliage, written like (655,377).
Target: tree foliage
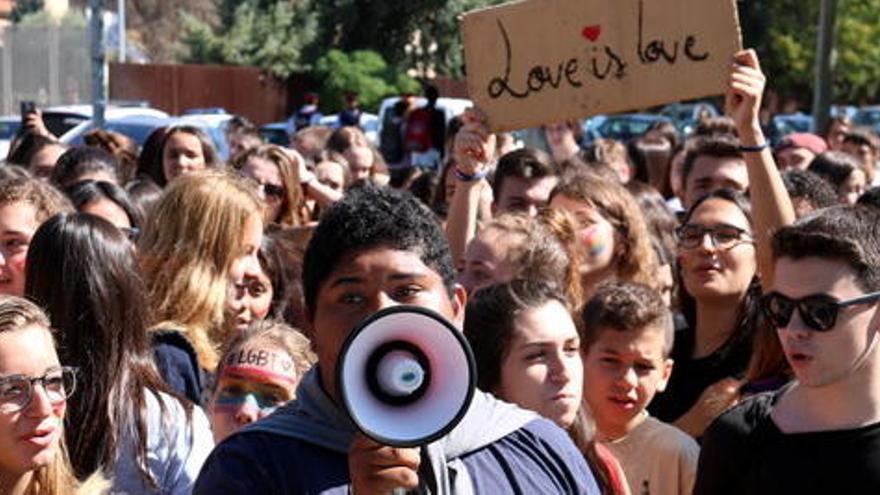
(156,26)
(784,32)
(363,71)
(24,8)
(385,26)
(421,34)
(72,19)
(270,35)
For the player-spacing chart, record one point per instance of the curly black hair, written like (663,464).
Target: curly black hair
(814,189)
(871,197)
(368,217)
(834,167)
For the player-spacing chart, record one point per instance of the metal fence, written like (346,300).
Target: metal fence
(49,65)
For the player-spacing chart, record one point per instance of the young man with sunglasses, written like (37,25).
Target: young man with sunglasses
(820,433)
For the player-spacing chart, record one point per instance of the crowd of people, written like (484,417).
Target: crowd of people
(664,316)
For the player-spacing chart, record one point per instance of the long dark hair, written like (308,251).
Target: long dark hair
(154,170)
(489,327)
(83,271)
(88,191)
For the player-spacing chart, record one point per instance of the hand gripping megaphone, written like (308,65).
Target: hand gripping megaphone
(406,376)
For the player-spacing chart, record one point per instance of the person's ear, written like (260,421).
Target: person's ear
(459,301)
(666,373)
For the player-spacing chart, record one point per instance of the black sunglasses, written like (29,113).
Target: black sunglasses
(273,190)
(817,311)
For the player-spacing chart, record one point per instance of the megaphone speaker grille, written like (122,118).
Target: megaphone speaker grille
(398,406)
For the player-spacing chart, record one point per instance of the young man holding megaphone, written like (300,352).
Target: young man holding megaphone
(373,251)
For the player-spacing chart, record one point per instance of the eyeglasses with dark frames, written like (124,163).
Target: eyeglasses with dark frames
(722,236)
(17,391)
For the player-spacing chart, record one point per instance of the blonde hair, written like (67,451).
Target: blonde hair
(186,249)
(291,214)
(634,258)
(538,255)
(344,138)
(563,226)
(56,477)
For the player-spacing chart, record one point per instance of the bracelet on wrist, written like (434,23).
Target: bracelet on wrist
(463,177)
(753,149)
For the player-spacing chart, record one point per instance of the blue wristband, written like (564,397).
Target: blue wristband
(469,178)
(753,149)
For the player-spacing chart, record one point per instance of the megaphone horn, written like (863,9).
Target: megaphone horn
(406,376)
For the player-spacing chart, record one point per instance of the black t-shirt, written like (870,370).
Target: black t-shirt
(691,376)
(744,452)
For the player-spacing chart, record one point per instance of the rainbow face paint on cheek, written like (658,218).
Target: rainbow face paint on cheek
(594,242)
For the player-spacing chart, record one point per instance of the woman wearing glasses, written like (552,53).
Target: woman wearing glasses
(34,388)
(725,259)
(718,266)
(279,183)
(123,420)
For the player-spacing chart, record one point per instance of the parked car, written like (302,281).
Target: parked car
(848,111)
(784,124)
(137,127)
(62,118)
(451,107)
(686,116)
(214,126)
(590,128)
(9,126)
(868,117)
(275,133)
(369,123)
(624,127)
(204,111)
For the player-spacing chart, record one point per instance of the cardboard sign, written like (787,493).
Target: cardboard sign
(541,61)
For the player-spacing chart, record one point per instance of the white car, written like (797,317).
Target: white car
(369,123)
(451,107)
(9,125)
(60,119)
(214,125)
(139,126)
(136,127)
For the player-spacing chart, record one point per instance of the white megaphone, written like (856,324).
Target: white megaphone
(406,376)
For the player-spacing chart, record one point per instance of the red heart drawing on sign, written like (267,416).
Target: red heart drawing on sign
(592,33)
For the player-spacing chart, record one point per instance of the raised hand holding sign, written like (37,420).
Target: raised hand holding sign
(540,61)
